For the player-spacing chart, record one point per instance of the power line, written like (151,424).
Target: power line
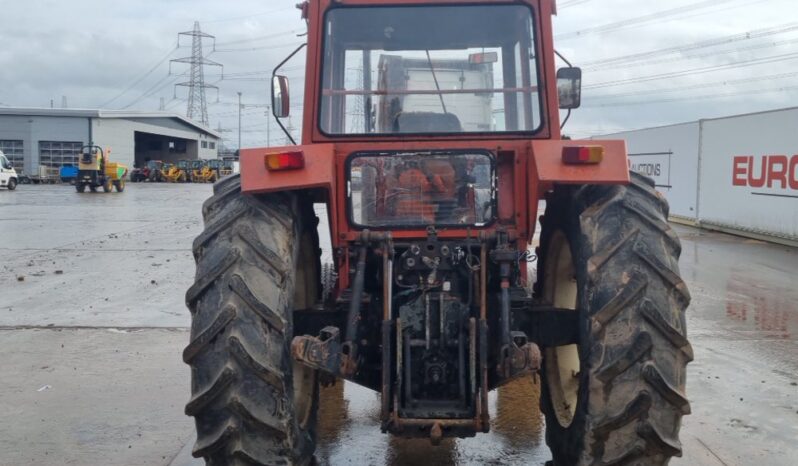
(273,35)
(152,90)
(768,45)
(158,87)
(708,69)
(696,97)
(254,72)
(571,3)
(260,47)
(230,114)
(656,16)
(726,82)
(755,34)
(175,101)
(253,15)
(140,79)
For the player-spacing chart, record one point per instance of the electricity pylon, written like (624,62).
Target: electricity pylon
(197,104)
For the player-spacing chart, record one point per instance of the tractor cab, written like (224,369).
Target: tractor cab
(154,165)
(154,171)
(444,69)
(218,167)
(229,167)
(202,172)
(173,173)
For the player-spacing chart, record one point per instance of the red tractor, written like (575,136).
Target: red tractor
(431,132)
(151,171)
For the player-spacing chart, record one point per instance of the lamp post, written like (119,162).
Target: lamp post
(239,124)
(268,126)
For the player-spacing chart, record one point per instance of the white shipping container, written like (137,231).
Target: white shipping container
(738,174)
(749,173)
(474,110)
(669,155)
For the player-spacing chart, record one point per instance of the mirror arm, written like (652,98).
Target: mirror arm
(274,74)
(564,59)
(567,117)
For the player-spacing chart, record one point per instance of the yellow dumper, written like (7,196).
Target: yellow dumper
(96,170)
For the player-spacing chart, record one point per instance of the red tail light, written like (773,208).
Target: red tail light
(483,58)
(582,155)
(285,161)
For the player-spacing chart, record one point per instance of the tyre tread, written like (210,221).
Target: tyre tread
(199,342)
(216,388)
(240,287)
(238,352)
(202,284)
(639,348)
(635,325)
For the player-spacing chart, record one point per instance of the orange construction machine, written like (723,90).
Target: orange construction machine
(431,133)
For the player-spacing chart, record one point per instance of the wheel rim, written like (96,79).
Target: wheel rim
(305,379)
(304,387)
(562,362)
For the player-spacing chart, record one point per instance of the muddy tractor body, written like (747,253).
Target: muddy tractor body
(431,134)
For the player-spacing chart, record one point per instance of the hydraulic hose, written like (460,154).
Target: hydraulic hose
(357,295)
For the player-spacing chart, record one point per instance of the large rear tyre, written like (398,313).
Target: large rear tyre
(616,398)
(119,185)
(252,404)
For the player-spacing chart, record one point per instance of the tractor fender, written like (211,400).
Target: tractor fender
(549,168)
(318,171)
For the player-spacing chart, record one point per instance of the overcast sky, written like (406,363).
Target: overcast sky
(115,54)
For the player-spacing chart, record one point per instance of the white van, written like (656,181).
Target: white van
(8,176)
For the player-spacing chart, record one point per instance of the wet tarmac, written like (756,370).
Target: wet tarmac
(92,324)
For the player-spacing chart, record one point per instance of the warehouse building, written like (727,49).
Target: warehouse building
(34,137)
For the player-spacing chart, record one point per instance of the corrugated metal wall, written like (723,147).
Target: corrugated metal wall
(33,129)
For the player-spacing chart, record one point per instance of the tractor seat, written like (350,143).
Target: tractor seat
(426,122)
